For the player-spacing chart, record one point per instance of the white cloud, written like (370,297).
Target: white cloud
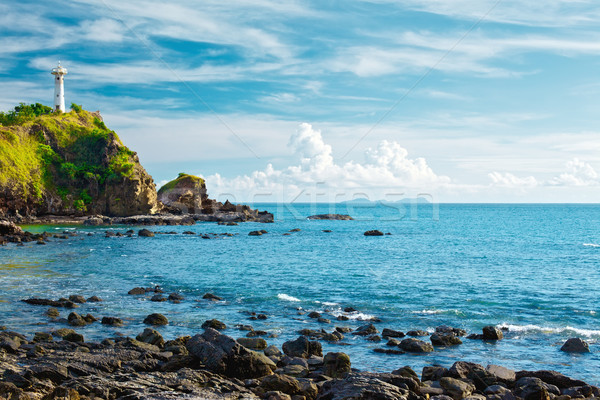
(103,30)
(477,53)
(578,173)
(511,181)
(548,13)
(386,167)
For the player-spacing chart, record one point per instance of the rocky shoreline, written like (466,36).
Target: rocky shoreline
(211,365)
(61,364)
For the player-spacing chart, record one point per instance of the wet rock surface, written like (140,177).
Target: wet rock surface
(214,366)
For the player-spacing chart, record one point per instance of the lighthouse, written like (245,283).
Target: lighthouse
(59,88)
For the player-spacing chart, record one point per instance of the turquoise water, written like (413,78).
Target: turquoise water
(533,269)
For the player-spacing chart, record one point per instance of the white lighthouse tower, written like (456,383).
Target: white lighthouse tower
(59,88)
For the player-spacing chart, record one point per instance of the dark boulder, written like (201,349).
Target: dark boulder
(302,347)
(552,378)
(336,365)
(211,297)
(253,343)
(575,345)
(214,324)
(416,333)
(365,330)
(490,332)
(145,233)
(449,329)
(137,290)
(357,386)
(111,321)
(373,233)
(336,217)
(390,333)
(156,319)
(176,297)
(151,336)
(415,346)
(444,339)
(222,354)
(76,320)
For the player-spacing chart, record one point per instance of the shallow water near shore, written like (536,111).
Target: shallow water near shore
(533,269)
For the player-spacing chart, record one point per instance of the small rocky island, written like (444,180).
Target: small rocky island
(70,168)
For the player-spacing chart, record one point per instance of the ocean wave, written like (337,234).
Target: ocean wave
(591,245)
(287,297)
(327,303)
(434,312)
(358,316)
(550,330)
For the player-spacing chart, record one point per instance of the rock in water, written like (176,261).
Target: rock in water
(336,217)
(145,233)
(492,333)
(302,347)
(366,330)
(187,194)
(214,324)
(222,354)
(444,339)
(156,319)
(415,346)
(575,345)
(373,233)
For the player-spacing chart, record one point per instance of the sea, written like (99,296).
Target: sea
(532,270)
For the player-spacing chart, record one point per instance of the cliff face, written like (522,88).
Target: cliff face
(186,193)
(70,164)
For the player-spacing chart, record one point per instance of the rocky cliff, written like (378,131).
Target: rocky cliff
(69,164)
(187,195)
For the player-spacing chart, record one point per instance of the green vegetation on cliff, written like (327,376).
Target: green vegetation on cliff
(67,162)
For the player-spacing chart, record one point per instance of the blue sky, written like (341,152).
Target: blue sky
(468,101)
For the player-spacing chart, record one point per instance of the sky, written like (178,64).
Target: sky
(330,100)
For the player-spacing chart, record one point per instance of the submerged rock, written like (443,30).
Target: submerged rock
(111,321)
(211,297)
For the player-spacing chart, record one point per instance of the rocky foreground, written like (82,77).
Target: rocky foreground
(212,365)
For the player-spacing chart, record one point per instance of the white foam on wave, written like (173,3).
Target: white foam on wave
(287,297)
(591,245)
(550,330)
(434,312)
(327,303)
(358,316)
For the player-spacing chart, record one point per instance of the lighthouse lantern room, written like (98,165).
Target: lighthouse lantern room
(59,88)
